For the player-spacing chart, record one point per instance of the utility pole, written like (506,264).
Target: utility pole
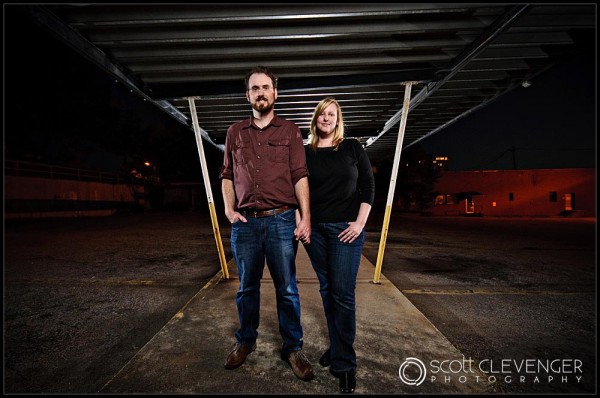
(514,156)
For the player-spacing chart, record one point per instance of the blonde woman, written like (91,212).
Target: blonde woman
(342,189)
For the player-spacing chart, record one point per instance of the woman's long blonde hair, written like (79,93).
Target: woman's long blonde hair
(338,134)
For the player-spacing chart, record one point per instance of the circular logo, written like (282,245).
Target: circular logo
(409,375)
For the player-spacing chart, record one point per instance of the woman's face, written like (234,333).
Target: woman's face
(327,120)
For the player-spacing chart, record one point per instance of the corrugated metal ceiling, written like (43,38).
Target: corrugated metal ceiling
(462,55)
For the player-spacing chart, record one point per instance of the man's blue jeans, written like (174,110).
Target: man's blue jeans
(336,265)
(270,238)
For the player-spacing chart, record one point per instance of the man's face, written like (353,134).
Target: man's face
(261,93)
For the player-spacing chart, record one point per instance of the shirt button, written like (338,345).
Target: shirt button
(258,156)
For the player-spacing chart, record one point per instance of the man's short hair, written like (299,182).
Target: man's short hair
(261,69)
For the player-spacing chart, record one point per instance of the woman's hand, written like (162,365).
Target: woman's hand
(351,233)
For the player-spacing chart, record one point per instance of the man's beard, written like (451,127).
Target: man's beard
(261,107)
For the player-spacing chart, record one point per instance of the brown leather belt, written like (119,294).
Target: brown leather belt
(264,213)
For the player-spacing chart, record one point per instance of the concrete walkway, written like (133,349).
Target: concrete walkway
(188,354)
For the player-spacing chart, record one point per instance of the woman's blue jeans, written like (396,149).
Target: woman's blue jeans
(336,265)
(272,239)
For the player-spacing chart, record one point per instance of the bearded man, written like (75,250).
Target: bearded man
(266,197)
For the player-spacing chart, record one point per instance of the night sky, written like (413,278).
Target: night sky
(61,109)
(551,124)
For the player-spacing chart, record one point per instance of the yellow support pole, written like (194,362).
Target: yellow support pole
(211,205)
(219,242)
(390,198)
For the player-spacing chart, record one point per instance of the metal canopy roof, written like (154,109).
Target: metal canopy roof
(462,55)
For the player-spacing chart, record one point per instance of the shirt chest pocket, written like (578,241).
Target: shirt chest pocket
(241,152)
(279,150)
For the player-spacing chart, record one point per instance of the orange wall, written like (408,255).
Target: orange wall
(531,191)
(43,190)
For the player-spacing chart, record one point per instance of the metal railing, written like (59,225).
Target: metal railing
(32,169)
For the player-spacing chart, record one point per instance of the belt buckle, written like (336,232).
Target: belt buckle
(255,212)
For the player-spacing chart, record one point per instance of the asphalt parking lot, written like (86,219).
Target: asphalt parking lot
(81,296)
(502,289)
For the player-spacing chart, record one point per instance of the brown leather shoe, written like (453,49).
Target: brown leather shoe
(300,365)
(238,355)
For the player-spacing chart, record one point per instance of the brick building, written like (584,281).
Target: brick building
(536,192)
